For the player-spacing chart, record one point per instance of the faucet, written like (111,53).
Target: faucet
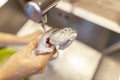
(36,9)
(60,38)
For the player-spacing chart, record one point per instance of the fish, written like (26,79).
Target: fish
(56,38)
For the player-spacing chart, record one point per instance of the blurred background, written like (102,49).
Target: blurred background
(98,43)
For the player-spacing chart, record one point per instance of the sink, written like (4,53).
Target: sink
(89,33)
(12,17)
(83,60)
(77,62)
(74,63)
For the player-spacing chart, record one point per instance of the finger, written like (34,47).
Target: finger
(36,34)
(41,70)
(29,48)
(43,58)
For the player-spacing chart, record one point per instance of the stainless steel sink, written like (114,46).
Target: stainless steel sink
(83,60)
(78,61)
(12,17)
(89,33)
(74,63)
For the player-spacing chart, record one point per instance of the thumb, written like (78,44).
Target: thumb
(43,58)
(31,46)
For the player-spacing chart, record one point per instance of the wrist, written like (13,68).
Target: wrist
(9,73)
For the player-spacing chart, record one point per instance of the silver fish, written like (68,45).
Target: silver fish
(54,38)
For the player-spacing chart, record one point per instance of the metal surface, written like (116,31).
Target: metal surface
(96,12)
(3,2)
(35,9)
(12,17)
(109,68)
(113,48)
(88,33)
(77,62)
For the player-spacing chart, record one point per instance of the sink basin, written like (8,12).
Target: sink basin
(81,60)
(12,17)
(77,62)
(88,32)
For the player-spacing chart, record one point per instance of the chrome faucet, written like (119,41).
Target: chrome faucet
(55,38)
(36,9)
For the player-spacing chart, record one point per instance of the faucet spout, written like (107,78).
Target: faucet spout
(36,9)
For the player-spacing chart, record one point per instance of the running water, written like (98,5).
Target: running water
(44,21)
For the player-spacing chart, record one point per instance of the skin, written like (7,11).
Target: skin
(24,63)
(10,39)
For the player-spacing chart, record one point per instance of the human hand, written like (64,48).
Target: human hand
(10,39)
(30,37)
(23,63)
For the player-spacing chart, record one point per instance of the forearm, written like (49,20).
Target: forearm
(10,39)
(6,39)
(9,73)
